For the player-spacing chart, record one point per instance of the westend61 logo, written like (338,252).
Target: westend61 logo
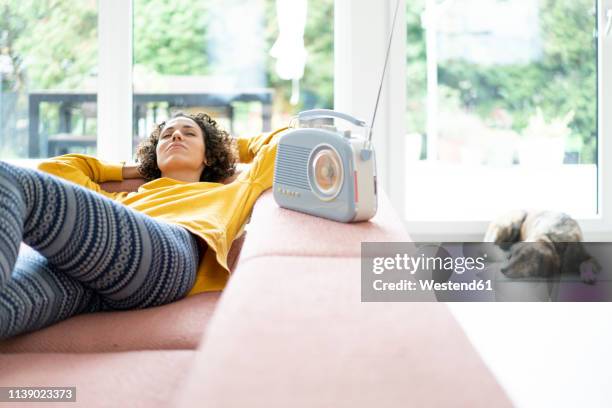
(476,271)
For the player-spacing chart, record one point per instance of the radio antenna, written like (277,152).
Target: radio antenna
(384,70)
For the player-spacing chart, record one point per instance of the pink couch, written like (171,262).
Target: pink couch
(288,330)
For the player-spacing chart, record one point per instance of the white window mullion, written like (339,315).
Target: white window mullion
(362,29)
(600,229)
(115,80)
(605,117)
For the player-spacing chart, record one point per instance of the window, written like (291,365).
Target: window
(154,57)
(501,108)
(48,71)
(215,59)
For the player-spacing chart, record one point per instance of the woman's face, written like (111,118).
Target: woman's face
(181,146)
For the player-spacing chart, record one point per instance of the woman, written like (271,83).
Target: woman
(95,250)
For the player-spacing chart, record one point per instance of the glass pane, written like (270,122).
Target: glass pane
(48,63)
(213,59)
(502,99)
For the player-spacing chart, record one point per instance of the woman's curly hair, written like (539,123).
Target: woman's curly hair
(221,153)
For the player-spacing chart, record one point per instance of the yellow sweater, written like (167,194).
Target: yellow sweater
(214,212)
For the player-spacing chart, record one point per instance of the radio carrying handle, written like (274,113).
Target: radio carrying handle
(366,151)
(328,113)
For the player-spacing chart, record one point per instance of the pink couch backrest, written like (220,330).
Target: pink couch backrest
(291,331)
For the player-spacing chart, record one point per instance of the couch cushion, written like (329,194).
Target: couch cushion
(136,379)
(178,325)
(292,331)
(306,235)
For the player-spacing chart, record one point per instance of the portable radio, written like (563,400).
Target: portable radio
(322,171)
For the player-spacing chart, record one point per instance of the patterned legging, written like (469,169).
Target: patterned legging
(87,253)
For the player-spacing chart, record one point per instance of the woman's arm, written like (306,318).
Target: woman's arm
(84,170)
(262,152)
(248,148)
(242,145)
(130,171)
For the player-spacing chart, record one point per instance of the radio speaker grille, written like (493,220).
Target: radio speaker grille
(292,166)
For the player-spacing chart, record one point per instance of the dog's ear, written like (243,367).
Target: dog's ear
(506,229)
(520,261)
(573,256)
(549,262)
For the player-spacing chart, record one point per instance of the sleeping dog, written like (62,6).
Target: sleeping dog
(541,243)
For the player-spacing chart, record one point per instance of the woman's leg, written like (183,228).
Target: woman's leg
(130,259)
(37,296)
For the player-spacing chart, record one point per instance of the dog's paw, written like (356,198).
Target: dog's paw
(587,273)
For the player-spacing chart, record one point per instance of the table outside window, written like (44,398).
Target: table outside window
(40,144)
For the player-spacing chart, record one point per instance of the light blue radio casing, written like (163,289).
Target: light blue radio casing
(293,183)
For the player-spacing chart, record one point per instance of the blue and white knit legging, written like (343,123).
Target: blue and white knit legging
(88,253)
